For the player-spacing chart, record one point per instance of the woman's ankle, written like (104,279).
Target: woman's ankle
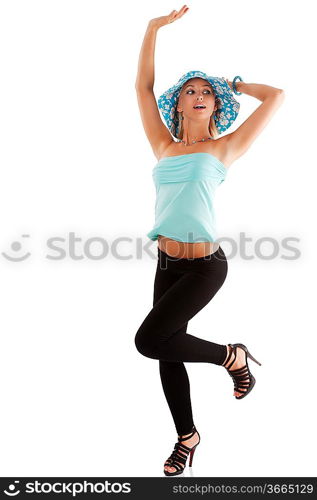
(187,434)
(227,355)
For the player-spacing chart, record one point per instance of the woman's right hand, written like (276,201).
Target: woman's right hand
(158,22)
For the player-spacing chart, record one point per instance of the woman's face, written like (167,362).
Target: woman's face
(194,92)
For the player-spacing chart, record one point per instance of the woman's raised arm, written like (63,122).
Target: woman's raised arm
(239,141)
(145,75)
(157,133)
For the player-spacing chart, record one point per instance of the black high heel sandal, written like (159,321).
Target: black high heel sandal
(179,456)
(241,375)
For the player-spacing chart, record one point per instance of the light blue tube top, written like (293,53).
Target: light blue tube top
(185,189)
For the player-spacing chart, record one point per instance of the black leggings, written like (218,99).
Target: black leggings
(182,287)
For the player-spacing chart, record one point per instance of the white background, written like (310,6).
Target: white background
(77,398)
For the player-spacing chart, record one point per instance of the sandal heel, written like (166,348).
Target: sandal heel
(191,456)
(248,353)
(253,359)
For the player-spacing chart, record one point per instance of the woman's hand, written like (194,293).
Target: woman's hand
(158,22)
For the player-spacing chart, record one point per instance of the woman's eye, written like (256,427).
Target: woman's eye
(190,90)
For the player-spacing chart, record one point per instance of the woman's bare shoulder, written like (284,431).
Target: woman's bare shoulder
(223,151)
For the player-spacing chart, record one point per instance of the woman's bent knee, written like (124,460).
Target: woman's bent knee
(145,345)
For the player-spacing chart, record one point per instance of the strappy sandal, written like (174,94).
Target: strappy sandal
(241,375)
(179,456)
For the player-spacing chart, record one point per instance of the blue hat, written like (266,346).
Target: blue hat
(227,106)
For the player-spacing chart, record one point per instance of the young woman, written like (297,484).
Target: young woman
(191,265)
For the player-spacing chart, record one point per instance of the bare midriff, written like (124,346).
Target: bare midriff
(183,250)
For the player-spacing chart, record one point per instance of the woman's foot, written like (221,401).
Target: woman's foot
(187,442)
(239,363)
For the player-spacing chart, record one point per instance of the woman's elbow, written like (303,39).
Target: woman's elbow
(280,92)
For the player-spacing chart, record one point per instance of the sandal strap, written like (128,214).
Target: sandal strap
(239,390)
(194,430)
(176,465)
(241,376)
(240,370)
(234,352)
(177,456)
(180,453)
